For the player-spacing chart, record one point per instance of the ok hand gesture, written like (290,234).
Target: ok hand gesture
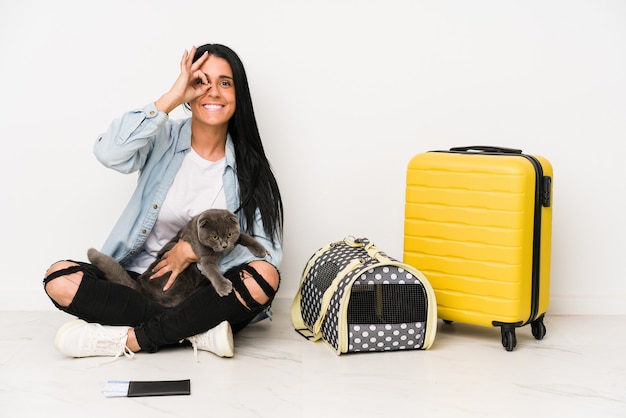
(191,83)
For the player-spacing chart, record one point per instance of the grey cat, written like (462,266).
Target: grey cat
(210,234)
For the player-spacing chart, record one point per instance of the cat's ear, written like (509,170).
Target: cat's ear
(233,218)
(202,222)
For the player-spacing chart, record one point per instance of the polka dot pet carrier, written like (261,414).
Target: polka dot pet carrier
(357,299)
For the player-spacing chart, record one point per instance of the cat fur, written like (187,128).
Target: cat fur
(210,234)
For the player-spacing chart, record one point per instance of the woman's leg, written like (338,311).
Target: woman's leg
(205,309)
(81,289)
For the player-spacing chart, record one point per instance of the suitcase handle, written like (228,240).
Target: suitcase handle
(485,148)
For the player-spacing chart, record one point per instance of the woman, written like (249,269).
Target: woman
(214,159)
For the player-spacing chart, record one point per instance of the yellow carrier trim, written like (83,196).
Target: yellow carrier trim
(313,333)
(431,317)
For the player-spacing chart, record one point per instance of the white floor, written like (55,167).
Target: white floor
(577,370)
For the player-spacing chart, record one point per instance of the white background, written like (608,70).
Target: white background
(345,93)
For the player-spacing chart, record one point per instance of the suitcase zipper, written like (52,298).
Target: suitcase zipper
(542,199)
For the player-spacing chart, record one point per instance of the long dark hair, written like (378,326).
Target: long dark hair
(257,185)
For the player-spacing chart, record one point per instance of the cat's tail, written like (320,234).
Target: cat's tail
(112,270)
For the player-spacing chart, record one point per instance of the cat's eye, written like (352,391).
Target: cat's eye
(230,235)
(214,237)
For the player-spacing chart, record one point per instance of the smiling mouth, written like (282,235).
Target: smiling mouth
(212,107)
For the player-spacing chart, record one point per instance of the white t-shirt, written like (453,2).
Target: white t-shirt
(198,186)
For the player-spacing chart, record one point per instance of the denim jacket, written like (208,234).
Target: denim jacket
(147,141)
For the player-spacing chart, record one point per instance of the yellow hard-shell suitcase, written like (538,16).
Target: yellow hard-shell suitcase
(478,224)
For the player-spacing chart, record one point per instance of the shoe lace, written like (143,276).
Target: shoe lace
(105,337)
(126,351)
(119,342)
(195,340)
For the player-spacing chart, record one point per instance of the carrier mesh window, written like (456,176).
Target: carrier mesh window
(325,276)
(387,304)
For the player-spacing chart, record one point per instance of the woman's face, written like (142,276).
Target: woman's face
(217,105)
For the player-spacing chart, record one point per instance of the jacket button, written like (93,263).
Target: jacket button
(152,113)
(143,231)
(154,206)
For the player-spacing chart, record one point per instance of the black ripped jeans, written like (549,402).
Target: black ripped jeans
(98,300)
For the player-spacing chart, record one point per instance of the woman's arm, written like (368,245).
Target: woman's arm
(175,261)
(126,144)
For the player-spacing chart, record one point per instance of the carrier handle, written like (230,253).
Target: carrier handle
(487,148)
(378,255)
(354,242)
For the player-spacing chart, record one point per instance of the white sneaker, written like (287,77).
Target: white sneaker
(217,340)
(82,339)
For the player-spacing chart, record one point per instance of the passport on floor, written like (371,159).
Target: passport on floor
(130,389)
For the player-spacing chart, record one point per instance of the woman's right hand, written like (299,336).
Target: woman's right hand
(175,261)
(190,84)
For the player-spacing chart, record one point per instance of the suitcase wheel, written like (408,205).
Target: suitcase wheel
(509,340)
(538,328)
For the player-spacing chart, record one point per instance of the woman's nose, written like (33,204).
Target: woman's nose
(212,89)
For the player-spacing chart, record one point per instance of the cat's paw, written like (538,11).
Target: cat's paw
(259,252)
(224,287)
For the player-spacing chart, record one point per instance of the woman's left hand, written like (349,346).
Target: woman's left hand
(175,261)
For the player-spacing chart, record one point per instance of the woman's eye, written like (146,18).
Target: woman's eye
(226,83)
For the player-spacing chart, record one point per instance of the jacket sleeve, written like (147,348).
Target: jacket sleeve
(127,142)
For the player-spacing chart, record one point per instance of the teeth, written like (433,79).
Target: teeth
(212,107)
